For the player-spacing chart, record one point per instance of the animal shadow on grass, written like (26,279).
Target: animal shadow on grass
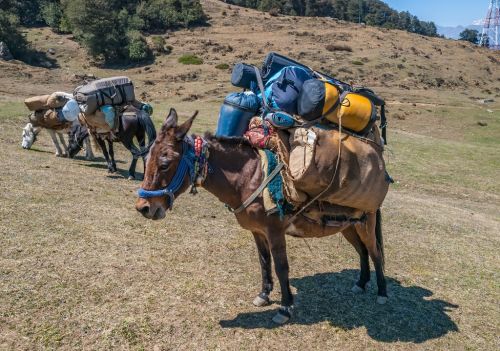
(409,315)
(120,173)
(40,150)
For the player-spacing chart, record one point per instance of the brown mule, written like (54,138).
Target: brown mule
(234,174)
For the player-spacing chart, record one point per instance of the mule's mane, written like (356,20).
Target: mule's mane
(222,143)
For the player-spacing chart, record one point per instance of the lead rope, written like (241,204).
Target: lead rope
(294,217)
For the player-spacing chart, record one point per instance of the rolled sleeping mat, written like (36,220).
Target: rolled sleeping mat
(317,99)
(357,113)
(236,112)
(244,76)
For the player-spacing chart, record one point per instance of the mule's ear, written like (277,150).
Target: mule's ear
(183,129)
(170,121)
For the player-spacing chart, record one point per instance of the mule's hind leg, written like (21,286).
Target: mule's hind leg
(131,170)
(89,155)
(265,264)
(112,155)
(370,234)
(364,275)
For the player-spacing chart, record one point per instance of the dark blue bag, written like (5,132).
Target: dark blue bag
(282,89)
(244,76)
(236,112)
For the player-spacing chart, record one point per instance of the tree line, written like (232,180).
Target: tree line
(371,12)
(111,30)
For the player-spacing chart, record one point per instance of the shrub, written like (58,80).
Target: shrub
(222,66)
(357,63)
(158,44)
(52,15)
(274,12)
(138,49)
(190,59)
(11,36)
(337,47)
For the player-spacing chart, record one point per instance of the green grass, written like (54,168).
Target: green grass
(190,59)
(222,66)
(91,273)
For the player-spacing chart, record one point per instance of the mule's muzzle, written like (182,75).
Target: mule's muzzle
(149,209)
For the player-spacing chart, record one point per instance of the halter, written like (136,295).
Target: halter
(194,162)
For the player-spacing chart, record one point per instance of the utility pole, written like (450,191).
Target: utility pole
(491,25)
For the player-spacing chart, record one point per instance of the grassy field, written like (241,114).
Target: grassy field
(80,269)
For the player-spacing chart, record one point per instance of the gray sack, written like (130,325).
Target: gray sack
(113,91)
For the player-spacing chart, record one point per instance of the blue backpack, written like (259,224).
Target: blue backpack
(283,88)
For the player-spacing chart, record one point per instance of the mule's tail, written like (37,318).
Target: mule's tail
(378,235)
(147,124)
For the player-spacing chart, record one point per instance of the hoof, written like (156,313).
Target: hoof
(130,177)
(284,314)
(260,301)
(357,290)
(381,300)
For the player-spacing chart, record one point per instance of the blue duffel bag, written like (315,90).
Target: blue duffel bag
(236,112)
(282,89)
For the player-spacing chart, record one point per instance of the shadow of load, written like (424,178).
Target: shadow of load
(409,316)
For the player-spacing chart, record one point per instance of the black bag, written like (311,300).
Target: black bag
(114,91)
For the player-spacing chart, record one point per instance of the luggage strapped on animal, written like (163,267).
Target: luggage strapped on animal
(341,102)
(115,91)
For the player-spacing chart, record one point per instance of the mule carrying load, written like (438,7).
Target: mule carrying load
(103,101)
(55,111)
(321,129)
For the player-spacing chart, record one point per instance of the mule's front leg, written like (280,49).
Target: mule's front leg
(278,250)
(52,134)
(265,264)
(104,150)
(63,142)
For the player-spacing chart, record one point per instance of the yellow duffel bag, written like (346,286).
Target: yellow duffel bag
(320,99)
(356,113)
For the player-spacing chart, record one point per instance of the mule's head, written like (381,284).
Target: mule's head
(163,160)
(29,136)
(76,136)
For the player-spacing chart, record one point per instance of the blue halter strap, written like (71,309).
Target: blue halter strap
(186,166)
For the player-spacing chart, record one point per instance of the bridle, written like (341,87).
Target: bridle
(194,163)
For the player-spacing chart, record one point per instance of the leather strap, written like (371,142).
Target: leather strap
(259,190)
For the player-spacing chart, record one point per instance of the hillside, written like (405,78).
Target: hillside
(391,61)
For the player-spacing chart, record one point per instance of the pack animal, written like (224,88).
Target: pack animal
(234,174)
(137,124)
(31,132)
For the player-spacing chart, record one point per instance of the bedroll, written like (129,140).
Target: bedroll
(114,91)
(50,118)
(45,102)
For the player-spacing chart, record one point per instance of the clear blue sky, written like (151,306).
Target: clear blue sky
(443,12)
